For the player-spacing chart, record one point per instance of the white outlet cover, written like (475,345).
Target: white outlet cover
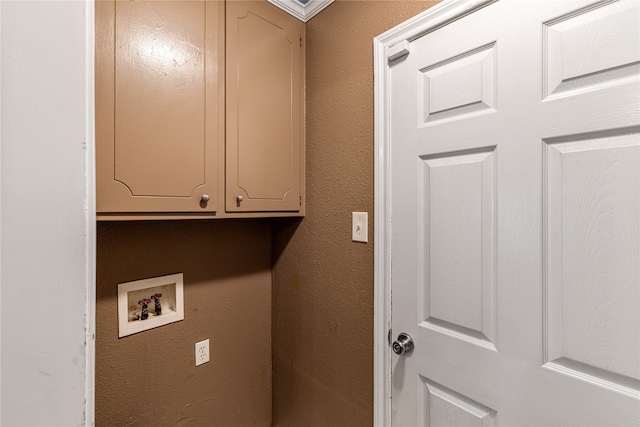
(360,229)
(202,352)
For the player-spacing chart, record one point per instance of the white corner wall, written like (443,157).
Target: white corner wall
(47,220)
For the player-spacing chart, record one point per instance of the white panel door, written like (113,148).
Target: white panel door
(515,199)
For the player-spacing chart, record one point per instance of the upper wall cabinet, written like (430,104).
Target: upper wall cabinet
(159,108)
(161,99)
(264,108)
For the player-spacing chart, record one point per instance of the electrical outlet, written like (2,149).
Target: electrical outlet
(202,352)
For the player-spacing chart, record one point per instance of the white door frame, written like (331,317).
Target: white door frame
(391,44)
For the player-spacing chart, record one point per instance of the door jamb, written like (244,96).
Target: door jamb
(412,29)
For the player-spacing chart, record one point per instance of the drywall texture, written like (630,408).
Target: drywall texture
(150,378)
(323,282)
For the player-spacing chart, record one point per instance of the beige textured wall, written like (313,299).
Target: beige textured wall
(323,282)
(150,378)
(322,311)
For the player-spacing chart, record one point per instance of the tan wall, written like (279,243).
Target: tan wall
(150,377)
(323,282)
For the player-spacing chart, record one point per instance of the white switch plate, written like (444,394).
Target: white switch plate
(202,352)
(360,227)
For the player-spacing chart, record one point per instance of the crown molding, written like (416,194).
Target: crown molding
(302,9)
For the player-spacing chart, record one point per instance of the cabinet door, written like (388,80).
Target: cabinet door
(265,65)
(159,101)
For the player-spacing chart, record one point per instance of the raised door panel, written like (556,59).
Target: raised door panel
(442,407)
(158,105)
(593,258)
(591,48)
(457,219)
(458,87)
(264,109)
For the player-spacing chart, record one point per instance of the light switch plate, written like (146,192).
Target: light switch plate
(360,229)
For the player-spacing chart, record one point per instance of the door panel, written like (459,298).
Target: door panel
(581,48)
(459,253)
(264,108)
(158,102)
(444,407)
(160,98)
(592,195)
(460,85)
(515,199)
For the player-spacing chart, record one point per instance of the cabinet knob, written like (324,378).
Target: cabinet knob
(205,198)
(239,199)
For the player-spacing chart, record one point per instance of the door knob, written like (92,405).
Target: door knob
(205,198)
(239,199)
(403,345)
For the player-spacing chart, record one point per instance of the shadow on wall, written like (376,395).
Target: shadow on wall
(156,248)
(283,230)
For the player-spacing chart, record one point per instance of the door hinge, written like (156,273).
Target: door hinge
(398,50)
(389,336)
(301,41)
(301,200)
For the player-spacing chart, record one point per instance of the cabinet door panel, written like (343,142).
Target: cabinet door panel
(264,108)
(158,124)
